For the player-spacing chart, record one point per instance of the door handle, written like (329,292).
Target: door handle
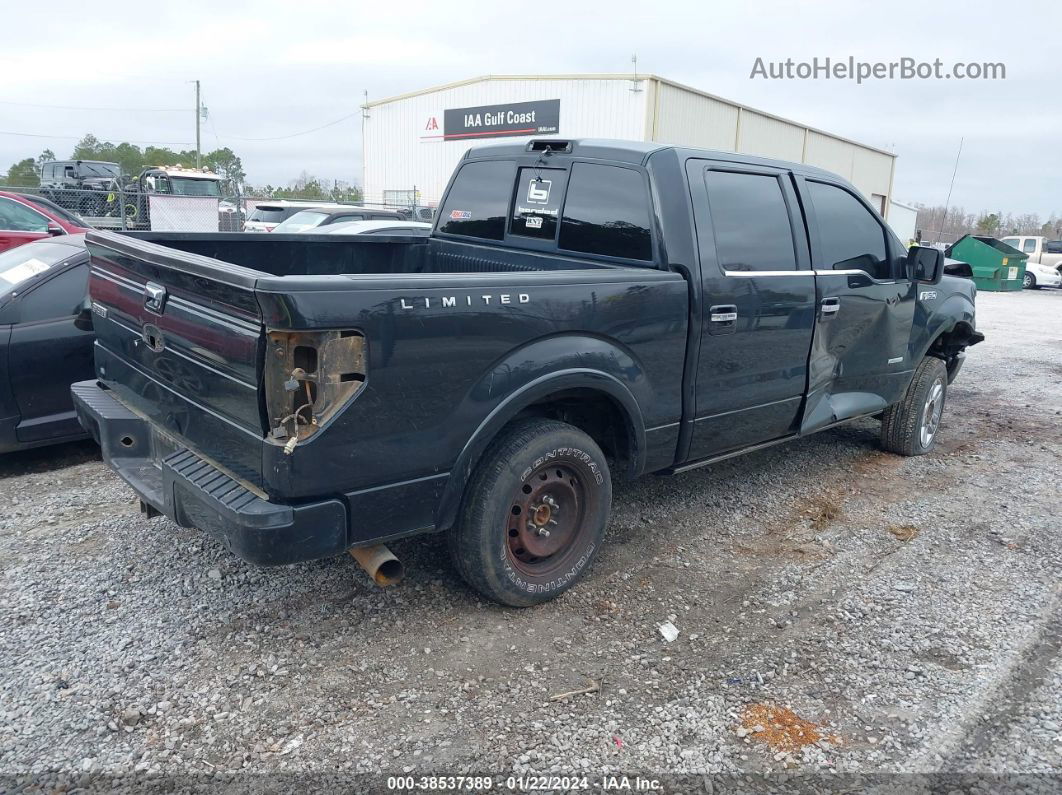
(723,313)
(722,319)
(831,306)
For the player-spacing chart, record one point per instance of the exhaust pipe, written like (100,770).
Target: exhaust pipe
(380,564)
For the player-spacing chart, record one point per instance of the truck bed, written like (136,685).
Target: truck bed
(329,255)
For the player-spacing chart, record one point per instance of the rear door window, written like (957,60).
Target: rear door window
(750,221)
(1029,246)
(478,201)
(606,212)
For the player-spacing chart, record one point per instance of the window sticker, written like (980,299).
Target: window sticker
(26,270)
(538,190)
(460,215)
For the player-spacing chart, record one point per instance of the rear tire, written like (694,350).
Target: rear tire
(911,427)
(533,516)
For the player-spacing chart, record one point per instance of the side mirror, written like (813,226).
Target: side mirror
(55,230)
(925,264)
(83,319)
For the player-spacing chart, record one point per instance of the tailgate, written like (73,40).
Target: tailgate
(179,338)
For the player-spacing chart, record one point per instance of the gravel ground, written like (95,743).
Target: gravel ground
(908,609)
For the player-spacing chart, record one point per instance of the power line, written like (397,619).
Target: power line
(294,135)
(99,137)
(82,107)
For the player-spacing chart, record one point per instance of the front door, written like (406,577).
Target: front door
(864,308)
(48,352)
(758,306)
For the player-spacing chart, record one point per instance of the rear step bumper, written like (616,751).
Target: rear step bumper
(192,492)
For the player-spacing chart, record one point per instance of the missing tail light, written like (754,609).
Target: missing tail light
(309,377)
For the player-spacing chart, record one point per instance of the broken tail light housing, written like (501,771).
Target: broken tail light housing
(309,377)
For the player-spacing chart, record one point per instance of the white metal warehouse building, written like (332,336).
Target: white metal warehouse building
(415,140)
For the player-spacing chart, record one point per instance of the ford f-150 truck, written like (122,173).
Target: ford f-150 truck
(583,310)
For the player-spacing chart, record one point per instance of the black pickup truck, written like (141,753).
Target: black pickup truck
(583,310)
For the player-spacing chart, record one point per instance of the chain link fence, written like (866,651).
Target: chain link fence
(119,208)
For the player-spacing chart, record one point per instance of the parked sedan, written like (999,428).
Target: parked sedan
(25,218)
(305,220)
(373,228)
(1037,275)
(46,337)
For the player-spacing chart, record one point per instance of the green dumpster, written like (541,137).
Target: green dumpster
(996,266)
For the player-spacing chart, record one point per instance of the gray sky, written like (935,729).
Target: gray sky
(274,68)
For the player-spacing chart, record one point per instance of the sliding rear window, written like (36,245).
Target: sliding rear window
(591,208)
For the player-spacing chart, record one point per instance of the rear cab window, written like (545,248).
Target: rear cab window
(588,208)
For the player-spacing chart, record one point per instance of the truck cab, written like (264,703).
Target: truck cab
(175,181)
(1044,266)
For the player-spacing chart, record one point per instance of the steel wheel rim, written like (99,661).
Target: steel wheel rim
(545,519)
(931,413)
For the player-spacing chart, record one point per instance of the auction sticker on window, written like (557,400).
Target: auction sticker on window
(25,270)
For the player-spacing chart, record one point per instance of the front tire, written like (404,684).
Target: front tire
(1028,281)
(911,427)
(534,514)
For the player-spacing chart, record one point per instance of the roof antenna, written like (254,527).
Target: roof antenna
(947,202)
(635,87)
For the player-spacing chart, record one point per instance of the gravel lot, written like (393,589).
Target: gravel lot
(908,609)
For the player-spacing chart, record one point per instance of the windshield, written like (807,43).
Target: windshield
(67,215)
(98,169)
(184,186)
(307,219)
(18,265)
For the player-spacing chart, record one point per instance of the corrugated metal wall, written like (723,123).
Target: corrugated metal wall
(688,118)
(400,151)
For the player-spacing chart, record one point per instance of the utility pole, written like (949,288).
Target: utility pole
(198,115)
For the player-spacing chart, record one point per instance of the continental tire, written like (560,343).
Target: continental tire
(533,515)
(911,427)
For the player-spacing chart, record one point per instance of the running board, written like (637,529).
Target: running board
(715,459)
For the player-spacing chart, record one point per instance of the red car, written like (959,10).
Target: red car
(25,217)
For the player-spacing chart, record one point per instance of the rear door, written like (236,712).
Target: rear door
(19,224)
(864,312)
(758,298)
(180,338)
